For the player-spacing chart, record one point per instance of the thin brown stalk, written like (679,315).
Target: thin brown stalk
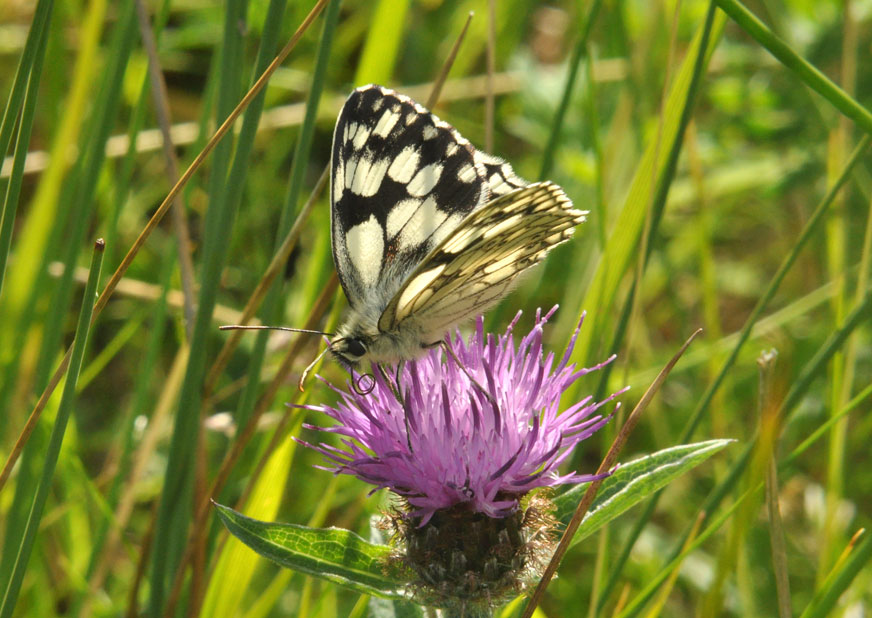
(281,256)
(491,69)
(149,228)
(607,464)
(162,111)
(280,259)
(439,82)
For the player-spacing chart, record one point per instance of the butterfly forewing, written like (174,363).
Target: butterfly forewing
(479,261)
(402,179)
(427,231)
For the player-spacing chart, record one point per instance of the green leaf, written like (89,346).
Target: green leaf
(382,46)
(622,246)
(632,482)
(838,581)
(334,554)
(810,75)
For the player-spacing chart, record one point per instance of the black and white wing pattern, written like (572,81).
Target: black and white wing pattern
(426,230)
(402,180)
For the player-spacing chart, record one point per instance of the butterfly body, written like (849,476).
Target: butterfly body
(359,338)
(426,230)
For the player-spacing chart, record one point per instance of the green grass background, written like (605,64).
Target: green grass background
(706,145)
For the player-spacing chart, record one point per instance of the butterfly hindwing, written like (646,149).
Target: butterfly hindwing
(479,261)
(402,180)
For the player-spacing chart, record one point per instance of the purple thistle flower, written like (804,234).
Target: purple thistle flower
(447,444)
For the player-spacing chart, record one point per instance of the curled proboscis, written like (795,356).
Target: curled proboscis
(363,384)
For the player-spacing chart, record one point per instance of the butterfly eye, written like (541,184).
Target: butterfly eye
(355,348)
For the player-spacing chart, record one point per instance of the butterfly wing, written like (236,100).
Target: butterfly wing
(402,180)
(476,265)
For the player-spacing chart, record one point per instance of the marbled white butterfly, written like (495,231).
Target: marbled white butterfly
(427,231)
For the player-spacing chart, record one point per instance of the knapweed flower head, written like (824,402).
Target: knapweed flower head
(462,437)
(447,443)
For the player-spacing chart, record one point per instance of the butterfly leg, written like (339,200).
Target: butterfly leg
(481,388)
(400,366)
(393,384)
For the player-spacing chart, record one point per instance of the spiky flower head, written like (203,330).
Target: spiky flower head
(462,444)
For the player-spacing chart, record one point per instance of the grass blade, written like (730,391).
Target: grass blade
(382,44)
(173,519)
(809,74)
(68,398)
(627,229)
(840,578)
(26,84)
(235,569)
(766,451)
(574,63)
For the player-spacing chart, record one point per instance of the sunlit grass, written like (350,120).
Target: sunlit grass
(730,188)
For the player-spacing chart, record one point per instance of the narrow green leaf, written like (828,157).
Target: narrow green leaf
(623,242)
(560,115)
(174,510)
(29,72)
(9,596)
(334,554)
(632,482)
(839,579)
(807,72)
(382,44)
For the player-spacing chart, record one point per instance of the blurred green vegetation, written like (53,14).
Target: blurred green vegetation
(762,141)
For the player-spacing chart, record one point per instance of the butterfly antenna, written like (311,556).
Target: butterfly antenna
(312,366)
(284,328)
